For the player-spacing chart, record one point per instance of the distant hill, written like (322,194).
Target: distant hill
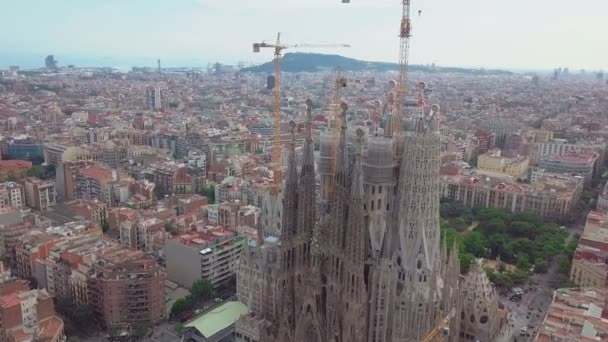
(313,62)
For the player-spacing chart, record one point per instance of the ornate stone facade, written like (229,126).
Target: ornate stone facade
(479,307)
(369,266)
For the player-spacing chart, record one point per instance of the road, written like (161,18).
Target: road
(531,310)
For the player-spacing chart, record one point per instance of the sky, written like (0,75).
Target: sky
(510,34)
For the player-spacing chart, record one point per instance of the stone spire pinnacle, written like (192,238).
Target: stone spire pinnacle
(290,210)
(308,155)
(341,185)
(342,153)
(355,228)
(306,194)
(308,120)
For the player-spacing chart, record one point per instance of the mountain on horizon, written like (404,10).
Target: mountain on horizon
(315,62)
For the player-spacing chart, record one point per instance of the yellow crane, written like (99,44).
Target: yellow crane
(278,48)
(440,330)
(396,102)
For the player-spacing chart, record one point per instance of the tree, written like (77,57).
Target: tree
(210,193)
(141,330)
(81,315)
(563,264)
(496,243)
(571,248)
(518,277)
(523,262)
(531,218)
(541,266)
(493,226)
(466,259)
(179,307)
(105,227)
(179,328)
(476,244)
(522,228)
(201,289)
(36,171)
(171,230)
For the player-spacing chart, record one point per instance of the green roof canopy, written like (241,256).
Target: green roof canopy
(218,319)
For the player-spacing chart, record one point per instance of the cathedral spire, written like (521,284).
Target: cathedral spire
(290,197)
(306,195)
(342,153)
(341,184)
(355,231)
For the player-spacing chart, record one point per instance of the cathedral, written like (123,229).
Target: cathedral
(369,263)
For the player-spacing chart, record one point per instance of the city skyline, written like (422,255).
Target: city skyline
(139,32)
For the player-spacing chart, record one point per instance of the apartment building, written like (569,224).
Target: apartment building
(11,235)
(33,247)
(29,315)
(590,261)
(67,177)
(581,164)
(494,164)
(91,183)
(602,200)
(69,265)
(542,150)
(39,194)
(190,204)
(576,314)
(146,234)
(13,170)
(210,252)
(12,195)
(486,140)
(126,288)
(548,196)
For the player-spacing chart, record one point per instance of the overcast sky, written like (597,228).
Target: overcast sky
(480,33)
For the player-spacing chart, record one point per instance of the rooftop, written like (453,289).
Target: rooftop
(576,315)
(15,163)
(97,172)
(206,236)
(218,319)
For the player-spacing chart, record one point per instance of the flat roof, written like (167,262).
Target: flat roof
(218,319)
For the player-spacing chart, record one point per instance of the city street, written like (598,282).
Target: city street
(531,310)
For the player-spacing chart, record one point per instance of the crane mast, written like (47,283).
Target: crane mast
(276,149)
(401,86)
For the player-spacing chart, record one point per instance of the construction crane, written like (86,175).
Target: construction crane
(404,47)
(278,48)
(400,89)
(440,330)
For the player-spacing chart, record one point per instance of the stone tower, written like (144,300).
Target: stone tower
(373,269)
(479,313)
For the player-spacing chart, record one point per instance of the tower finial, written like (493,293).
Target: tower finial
(292,131)
(344,108)
(308,120)
(360,135)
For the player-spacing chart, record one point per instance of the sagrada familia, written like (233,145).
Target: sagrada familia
(369,264)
